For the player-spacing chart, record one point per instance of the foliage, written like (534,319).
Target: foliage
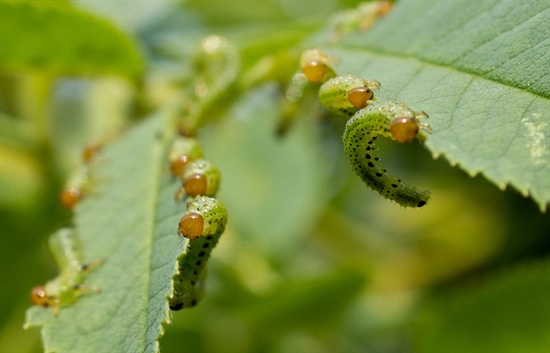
(312,260)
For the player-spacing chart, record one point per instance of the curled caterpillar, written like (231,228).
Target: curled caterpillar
(200,177)
(183,151)
(359,139)
(350,96)
(345,95)
(203,224)
(68,286)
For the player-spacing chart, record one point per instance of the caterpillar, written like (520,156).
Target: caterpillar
(183,151)
(215,66)
(203,224)
(68,286)
(75,189)
(349,96)
(345,95)
(317,66)
(200,177)
(361,18)
(359,139)
(79,185)
(90,151)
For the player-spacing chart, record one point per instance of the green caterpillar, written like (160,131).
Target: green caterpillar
(68,286)
(76,188)
(361,19)
(315,68)
(345,95)
(349,96)
(203,224)
(183,151)
(200,177)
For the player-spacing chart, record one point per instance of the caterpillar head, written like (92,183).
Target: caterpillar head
(344,95)
(76,188)
(359,96)
(205,216)
(191,225)
(201,177)
(406,128)
(316,66)
(90,151)
(39,296)
(70,197)
(183,151)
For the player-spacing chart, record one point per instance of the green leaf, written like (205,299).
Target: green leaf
(130,221)
(480,70)
(63,40)
(509,313)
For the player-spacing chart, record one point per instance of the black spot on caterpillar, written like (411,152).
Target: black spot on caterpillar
(67,287)
(359,139)
(203,224)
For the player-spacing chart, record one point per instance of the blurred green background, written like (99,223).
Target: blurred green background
(312,261)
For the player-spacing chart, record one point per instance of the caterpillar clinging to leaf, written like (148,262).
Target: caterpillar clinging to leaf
(349,96)
(203,224)
(200,177)
(361,18)
(345,95)
(76,188)
(317,66)
(315,69)
(68,286)
(183,151)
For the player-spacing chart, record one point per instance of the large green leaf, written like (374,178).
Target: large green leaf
(480,70)
(130,221)
(62,40)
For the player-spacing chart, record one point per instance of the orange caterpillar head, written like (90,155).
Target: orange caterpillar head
(404,129)
(359,96)
(39,296)
(191,225)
